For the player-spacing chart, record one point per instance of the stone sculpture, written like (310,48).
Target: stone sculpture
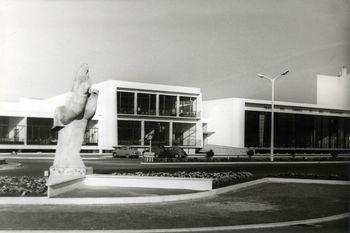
(70,121)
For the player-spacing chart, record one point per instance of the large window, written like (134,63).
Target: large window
(11,130)
(257,129)
(188,106)
(167,105)
(39,131)
(129,132)
(297,130)
(125,102)
(184,134)
(161,132)
(146,104)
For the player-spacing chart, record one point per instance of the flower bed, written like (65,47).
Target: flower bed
(220,179)
(22,186)
(244,158)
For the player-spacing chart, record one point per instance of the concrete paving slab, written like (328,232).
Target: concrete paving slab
(107,191)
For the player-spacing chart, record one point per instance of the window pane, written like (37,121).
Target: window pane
(125,102)
(167,105)
(39,131)
(146,104)
(161,132)
(188,106)
(129,132)
(184,134)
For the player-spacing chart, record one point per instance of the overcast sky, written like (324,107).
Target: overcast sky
(216,45)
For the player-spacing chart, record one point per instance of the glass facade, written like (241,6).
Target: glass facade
(297,130)
(91,136)
(39,132)
(125,101)
(167,105)
(129,132)
(188,106)
(11,132)
(184,134)
(146,104)
(161,135)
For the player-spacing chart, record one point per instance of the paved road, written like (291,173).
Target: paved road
(36,167)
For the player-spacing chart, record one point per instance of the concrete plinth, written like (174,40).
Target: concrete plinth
(68,183)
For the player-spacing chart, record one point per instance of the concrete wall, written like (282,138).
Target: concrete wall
(225,117)
(334,90)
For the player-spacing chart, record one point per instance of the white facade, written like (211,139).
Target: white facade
(225,118)
(334,90)
(104,125)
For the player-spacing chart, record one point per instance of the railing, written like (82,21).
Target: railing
(129,142)
(10,134)
(189,114)
(126,110)
(146,112)
(91,136)
(12,140)
(164,112)
(42,141)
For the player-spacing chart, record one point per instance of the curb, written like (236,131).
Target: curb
(10,166)
(124,200)
(219,228)
(51,158)
(155,199)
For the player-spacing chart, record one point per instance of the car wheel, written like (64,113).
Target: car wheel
(114,155)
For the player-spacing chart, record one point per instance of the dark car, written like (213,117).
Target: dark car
(168,152)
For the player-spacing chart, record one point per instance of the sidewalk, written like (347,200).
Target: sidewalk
(50,156)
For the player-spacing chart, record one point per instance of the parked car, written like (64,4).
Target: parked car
(168,152)
(125,151)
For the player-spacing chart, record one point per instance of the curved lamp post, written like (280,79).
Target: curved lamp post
(272,80)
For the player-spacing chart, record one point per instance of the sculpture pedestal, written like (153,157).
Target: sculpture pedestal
(64,179)
(67,171)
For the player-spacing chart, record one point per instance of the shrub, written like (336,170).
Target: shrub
(210,154)
(250,153)
(220,179)
(22,185)
(334,154)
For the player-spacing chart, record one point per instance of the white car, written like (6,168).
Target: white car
(127,152)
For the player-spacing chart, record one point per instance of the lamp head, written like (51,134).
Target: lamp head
(261,76)
(285,72)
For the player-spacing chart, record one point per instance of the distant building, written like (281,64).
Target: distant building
(126,112)
(325,126)
(334,90)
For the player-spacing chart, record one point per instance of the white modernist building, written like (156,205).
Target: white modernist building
(324,126)
(126,112)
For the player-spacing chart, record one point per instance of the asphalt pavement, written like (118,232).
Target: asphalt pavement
(105,165)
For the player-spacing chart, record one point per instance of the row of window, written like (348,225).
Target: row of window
(296,130)
(37,132)
(183,134)
(146,104)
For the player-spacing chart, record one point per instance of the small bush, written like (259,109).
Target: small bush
(334,154)
(22,185)
(250,153)
(210,154)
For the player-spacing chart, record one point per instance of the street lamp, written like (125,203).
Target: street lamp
(272,80)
